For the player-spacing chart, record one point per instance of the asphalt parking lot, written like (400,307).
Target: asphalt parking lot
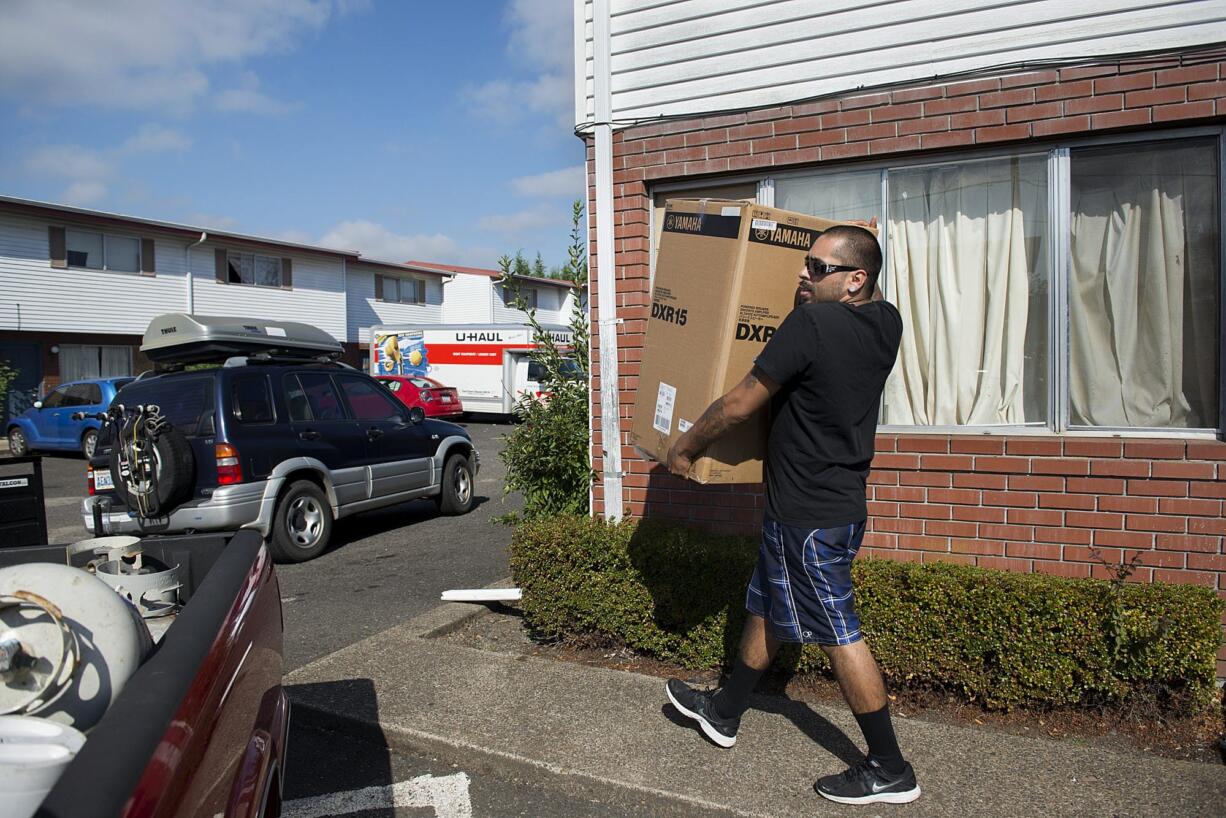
(389,565)
(383,567)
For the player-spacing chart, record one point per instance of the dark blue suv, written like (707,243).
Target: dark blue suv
(282,445)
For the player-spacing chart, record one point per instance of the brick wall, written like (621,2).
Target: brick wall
(1019,503)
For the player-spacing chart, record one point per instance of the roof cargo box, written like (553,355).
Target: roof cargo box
(179,338)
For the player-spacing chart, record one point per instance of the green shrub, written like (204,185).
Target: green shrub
(547,456)
(999,638)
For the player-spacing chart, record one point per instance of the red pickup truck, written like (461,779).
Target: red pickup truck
(200,728)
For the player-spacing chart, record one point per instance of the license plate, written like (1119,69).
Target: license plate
(446,398)
(103,481)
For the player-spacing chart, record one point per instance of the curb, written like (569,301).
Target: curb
(450,616)
(445,619)
(475,758)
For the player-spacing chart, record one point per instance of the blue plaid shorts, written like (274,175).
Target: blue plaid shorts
(802,583)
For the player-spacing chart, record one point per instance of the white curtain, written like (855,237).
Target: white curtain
(88,361)
(838,196)
(116,361)
(963,243)
(1143,289)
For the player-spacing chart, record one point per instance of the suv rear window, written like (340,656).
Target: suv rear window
(185,402)
(251,400)
(367,400)
(321,398)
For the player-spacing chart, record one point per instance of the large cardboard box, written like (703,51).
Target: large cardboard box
(726,275)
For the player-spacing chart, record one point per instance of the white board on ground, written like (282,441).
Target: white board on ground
(483,595)
(447,794)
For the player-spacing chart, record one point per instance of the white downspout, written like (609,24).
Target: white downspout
(187,258)
(606,266)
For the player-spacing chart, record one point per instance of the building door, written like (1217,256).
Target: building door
(26,359)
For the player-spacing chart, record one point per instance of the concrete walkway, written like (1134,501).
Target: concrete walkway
(599,728)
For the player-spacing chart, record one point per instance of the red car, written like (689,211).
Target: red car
(437,400)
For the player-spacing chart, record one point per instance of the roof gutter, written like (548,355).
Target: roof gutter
(606,266)
(187,258)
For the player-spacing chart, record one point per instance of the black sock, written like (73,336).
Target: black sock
(733,698)
(882,743)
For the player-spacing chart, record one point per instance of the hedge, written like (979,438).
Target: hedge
(999,638)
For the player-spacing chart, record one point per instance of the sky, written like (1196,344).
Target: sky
(403,129)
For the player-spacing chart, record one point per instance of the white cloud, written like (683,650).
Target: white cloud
(70,162)
(542,40)
(542,32)
(375,241)
(214,222)
(295,237)
(531,218)
(135,54)
(155,139)
(81,194)
(242,99)
(565,182)
(90,171)
(249,98)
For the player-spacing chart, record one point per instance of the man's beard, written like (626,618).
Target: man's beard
(804,294)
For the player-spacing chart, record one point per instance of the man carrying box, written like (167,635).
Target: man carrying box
(825,368)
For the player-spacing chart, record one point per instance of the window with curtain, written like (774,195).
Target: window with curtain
(1137,333)
(1144,286)
(253,269)
(101,251)
(78,362)
(837,196)
(968,272)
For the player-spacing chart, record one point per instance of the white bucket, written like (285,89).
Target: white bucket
(33,754)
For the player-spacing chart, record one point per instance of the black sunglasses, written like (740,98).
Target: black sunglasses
(817,268)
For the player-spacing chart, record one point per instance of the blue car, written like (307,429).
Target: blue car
(48,424)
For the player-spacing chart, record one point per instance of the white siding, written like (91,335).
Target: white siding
(365,311)
(552,306)
(317,297)
(468,299)
(694,56)
(34,296)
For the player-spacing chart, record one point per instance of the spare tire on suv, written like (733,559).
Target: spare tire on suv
(153,472)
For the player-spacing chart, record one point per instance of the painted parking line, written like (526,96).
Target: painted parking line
(447,794)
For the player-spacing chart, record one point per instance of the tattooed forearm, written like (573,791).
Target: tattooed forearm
(713,423)
(724,413)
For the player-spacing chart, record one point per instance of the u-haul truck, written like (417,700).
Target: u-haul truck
(488,364)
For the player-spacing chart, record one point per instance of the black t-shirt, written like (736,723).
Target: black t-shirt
(831,361)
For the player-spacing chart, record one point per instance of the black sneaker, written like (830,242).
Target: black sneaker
(696,704)
(868,783)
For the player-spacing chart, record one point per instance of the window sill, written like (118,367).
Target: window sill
(103,270)
(256,286)
(1032,431)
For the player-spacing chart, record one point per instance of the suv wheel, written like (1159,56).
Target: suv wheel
(302,524)
(456,496)
(89,443)
(18,445)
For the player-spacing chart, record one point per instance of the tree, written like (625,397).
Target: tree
(7,376)
(548,455)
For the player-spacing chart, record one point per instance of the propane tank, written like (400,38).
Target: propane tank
(33,754)
(68,643)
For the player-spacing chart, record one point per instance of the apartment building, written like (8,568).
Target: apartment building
(1049,182)
(78,287)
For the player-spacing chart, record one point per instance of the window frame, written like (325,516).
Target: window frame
(1059,157)
(509,298)
(232,255)
(380,393)
(235,409)
(105,267)
(419,288)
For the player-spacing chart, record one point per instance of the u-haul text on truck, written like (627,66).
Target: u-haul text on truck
(488,364)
